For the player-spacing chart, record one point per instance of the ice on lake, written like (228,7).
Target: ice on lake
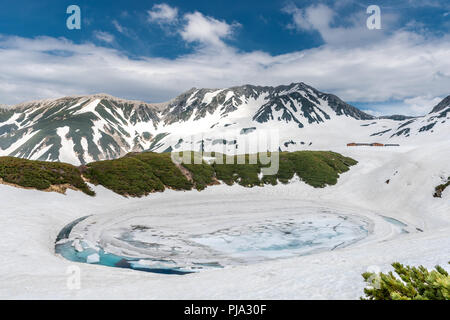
(170,245)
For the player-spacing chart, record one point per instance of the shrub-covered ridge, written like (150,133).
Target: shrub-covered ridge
(41,175)
(138,174)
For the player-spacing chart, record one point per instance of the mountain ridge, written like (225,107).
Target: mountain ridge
(81,129)
(445,103)
(25,104)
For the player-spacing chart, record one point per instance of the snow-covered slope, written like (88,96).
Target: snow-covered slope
(77,129)
(434,125)
(82,129)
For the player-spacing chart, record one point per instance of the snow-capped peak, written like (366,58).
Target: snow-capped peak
(84,128)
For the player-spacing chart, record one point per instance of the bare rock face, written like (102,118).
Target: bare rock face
(443,106)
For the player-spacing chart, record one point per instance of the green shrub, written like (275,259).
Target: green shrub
(316,168)
(125,176)
(162,166)
(202,173)
(411,283)
(229,171)
(440,188)
(41,174)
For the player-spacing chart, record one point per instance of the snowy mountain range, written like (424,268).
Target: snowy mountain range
(81,129)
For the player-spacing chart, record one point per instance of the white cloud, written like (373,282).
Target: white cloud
(316,17)
(425,3)
(193,27)
(163,14)
(118,26)
(123,30)
(104,36)
(373,112)
(328,23)
(422,104)
(206,30)
(414,106)
(401,67)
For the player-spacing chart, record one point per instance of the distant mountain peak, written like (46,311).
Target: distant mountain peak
(303,99)
(445,103)
(51,102)
(397,117)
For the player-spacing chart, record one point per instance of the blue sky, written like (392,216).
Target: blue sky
(153,51)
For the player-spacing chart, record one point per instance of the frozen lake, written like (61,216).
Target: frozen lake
(159,244)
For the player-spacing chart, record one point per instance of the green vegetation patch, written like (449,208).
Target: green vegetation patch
(316,168)
(5,114)
(125,176)
(162,166)
(411,283)
(137,174)
(230,171)
(440,188)
(40,174)
(202,173)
